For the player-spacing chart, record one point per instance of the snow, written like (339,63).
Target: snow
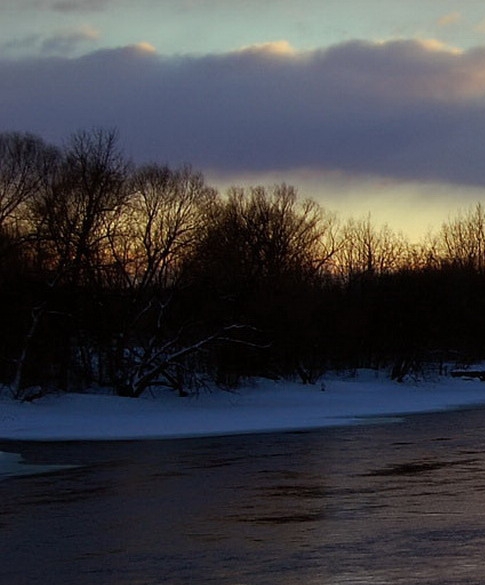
(263,406)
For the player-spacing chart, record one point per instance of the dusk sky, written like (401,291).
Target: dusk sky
(365,105)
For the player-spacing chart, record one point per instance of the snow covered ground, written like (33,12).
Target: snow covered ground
(263,406)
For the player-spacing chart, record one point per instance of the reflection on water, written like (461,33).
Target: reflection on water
(391,503)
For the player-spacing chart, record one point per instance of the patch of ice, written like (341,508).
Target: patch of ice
(13,464)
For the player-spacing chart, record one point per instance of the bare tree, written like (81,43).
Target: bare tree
(26,164)
(160,224)
(462,239)
(67,219)
(24,160)
(263,233)
(163,220)
(260,262)
(368,250)
(72,214)
(163,361)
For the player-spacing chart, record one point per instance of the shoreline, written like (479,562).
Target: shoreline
(265,407)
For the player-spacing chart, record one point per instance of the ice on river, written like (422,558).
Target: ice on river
(12,464)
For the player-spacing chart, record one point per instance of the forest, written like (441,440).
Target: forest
(132,277)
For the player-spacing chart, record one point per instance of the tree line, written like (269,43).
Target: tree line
(129,276)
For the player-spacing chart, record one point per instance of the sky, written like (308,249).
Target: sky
(364,105)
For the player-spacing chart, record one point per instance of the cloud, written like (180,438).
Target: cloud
(79,5)
(66,42)
(406,110)
(56,5)
(449,19)
(26,43)
(272,48)
(143,48)
(435,45)
(480,27)
(63,43)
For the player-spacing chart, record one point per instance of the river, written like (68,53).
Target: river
(382,503)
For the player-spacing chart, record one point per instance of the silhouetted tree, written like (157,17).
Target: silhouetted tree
(462,239)
(72,215)
(68,219)
(368,250)
(260,263)
(141,276)
(160,227)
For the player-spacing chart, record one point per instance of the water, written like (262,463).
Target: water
(388,503)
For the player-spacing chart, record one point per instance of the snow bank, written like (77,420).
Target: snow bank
(262,407)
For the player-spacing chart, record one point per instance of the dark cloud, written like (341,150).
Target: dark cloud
(67,42)
(29,43)
(408,110)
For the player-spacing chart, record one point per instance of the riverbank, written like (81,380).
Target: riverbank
(262,406)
